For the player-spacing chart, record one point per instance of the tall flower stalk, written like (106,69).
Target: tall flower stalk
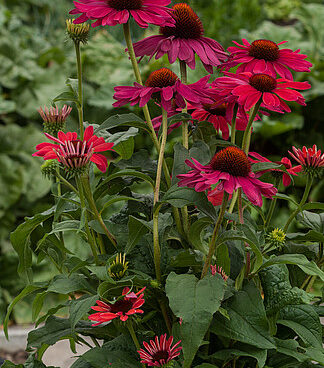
(80,87)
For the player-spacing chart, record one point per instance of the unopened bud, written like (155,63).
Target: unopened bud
(77,32)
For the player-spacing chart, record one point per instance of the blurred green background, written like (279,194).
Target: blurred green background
(36,58)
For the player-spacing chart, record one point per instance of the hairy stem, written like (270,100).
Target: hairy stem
(248,131)
(233,124)
(80,89)
(272,207)
(133,335)
(212,244)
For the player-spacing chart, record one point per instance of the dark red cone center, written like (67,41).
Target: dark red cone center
(160,355)
(188,25)
(231,160)
(263,82)
(264,49)
(125,4)
(123,305)
(161,78)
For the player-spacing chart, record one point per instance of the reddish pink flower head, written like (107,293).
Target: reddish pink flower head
(112,12)
(73,153)
(249,88)
(311,159)
(159,351)
(230,169)
(54,118)
(183,41)
(286,179)
(264,56)
(218,270)
(122,308)
(165,87)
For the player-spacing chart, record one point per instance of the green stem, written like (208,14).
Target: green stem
(156,244)
(248,130)
(86,225)
(92,204)
(68,184)
(132,56)
(233,124)
(240,207)
(133,335)
(80,91)
(212,244)
(308,187)
(166,316)
(272,207)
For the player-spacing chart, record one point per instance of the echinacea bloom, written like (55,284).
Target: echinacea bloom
(159,351)
(249,88)
(311,159)
(166,88)
(215,196)
(54,118)
(264,56)
(183,41)
(122,308)
(218,270)
(219,115)
(286,179)
(230,169)
(73,153)
(112,12)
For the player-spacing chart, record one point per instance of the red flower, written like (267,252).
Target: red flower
(159,352)
(308,157)
(121,309)
(74,153)
(112,12)
(286,179)
(264,56)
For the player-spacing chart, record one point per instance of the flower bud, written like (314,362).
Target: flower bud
(77,32)
(49,168)
(118,267)
(54,118)
(276,238)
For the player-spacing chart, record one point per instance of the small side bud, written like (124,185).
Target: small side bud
(276,239)
(49,168)
(77,32)
(118,267)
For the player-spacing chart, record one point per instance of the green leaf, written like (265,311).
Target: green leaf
(38,304)
(80,307)
(313,206)
(242,350)
(260,166)
(136,230)
(195,301)
(70,94)
(304,320)
(195,234)
(63,284)
(289,347)
(20,238)
(181,197)
(248,322)
(123,120)
(125,148)
(299,260)
(118,199)
(312,236)
(312,220)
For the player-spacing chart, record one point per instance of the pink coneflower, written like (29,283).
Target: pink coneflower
(264,56)
(230,169)
(159,351)
(165,87)
(219,115)
(218,270)
(54,118)
(122,308)
(183,41)
(311,159)
(249,88)
(73,153)
(216,195)
(286,179)
(112,12)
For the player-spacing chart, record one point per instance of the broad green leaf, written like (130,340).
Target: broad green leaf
(312,236)
(300,260)
(136,230)
(289,347)
(80,307)
(260,166)
(63,284)
(125,148)
(195,234)
(21,236)
(312,220)
(195,301)
(38,304)
(304,320)
(117,199)
(123,120)
(248,322)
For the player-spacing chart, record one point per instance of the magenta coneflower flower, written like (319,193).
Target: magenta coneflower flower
(286,179)
(183,41)
(218,270)
(249,88)
(230,169)
(122,308)
(159,351)
(215,196)
(112,12)
(54,118)
(73,153)
(311,159)
(264,56)
(219,115)
(165,87)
